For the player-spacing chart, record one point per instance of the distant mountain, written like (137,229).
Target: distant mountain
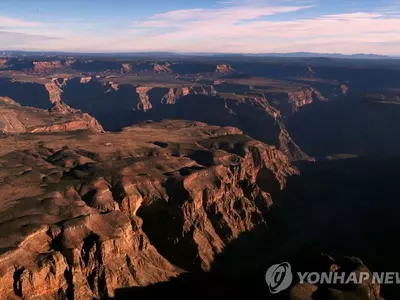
(328,55)
(17,53)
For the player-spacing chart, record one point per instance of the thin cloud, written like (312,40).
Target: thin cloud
(225,31)
(239,28)
(230,15)
(12,22)
(14,40)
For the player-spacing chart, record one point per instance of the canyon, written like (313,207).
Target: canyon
(234,101)
(142,177)
(189,187)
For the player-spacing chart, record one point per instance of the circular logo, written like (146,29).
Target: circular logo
(279,277)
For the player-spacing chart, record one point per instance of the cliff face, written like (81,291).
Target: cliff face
(126,68)
(224,69)
(284,141)
(174,94)
(17,119)
(304,97)
(114,86)
(55,90)
(86,79)
(144,100)
(69,62)
(158,68)
(8,100)
(41,67)
(139,103)
(300,98)
(128,209)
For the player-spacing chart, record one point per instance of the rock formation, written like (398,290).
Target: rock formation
(158,68)
(83,217)
(60,82)
(85,213)
(175,94)
(224,69)
(61,107)
(69,62)
(284,143)
(144,99)
(304,97)
(114,86)
(300,98)
(86,79)
(126,68)
(17,119)
(8,100)
(54,89)
(41,67)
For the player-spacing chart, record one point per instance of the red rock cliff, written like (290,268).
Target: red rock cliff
(128,209)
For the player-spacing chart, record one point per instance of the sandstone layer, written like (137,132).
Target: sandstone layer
(17,119)
(54,91)
(82,217)
(40,67)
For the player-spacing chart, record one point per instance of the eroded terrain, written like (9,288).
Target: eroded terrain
(137,178)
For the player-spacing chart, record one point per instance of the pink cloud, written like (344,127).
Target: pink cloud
(13,22)
(244,28)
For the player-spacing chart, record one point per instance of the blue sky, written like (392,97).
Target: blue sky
(245,26)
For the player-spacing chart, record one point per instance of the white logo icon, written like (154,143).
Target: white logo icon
(279,277)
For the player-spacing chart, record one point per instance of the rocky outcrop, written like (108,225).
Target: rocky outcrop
(159,68)
(40,67)
(128,209)
(172,96)
(86,79)
(288,146)
(284,142)
(61,107)
(319,96)
(83,122)
(60,82)
(54,90)
(70,62)
(114,86)
(126,68)
(175,94)
(300,98)
(304,97)
(144,99)
(224,69)
(8,100)
(61,118)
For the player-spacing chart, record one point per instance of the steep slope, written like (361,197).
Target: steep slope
(120,105)
(83,214)
(251,113)
(17,119)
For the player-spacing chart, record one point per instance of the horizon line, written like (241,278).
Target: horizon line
(200,53)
